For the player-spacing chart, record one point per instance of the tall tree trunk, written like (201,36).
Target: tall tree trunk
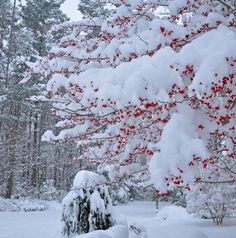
(10,45)
(12,146)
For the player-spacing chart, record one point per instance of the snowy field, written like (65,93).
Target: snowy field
(171,222)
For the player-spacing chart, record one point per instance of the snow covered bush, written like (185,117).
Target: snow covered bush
(127,182)
(118,190)
(48,191)
(7,205)
(177,196)
(119,193)
(25,205)
(215,201)
(87,206)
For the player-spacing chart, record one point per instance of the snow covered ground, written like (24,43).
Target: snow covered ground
(171,222)
(43,224)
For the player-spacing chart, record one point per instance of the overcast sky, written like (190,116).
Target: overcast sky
(70,8)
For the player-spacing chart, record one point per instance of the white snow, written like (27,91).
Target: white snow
(30,224)
(85,179)
(117,231)
(170,222)
(179,148)
(97,202)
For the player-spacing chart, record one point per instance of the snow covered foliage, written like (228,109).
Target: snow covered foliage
(128,182)
(39,16)
(212,201)
(93,8)
(48,191)
(118,190)
(87,206)
(162,89)
(119,194)
(176,195)
(26,205)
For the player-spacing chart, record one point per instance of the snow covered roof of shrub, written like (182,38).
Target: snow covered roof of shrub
(87,179)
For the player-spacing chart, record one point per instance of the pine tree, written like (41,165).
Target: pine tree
(93,8)
(87,206)
(39,17)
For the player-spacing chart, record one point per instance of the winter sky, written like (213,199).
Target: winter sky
(70,8)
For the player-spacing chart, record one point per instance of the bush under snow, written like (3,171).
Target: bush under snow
(26,205)
(87,207)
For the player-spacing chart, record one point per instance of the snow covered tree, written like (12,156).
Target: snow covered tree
(93,8)
(25,162)
(96,11)
(5,19)
(48,191)
(15,42)
(39,17)
(87,206)
(159,89)
(204,110)
(88,46)
(215,201)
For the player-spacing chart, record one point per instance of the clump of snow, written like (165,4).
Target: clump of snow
(172,222)
(118,231)
(85,179)
(173,213)
(178,231)
(177,151)
(47,136)
(207,54)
